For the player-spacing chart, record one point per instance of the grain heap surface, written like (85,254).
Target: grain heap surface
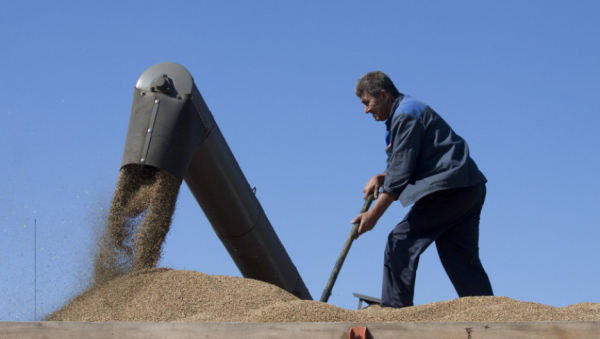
(163,294)
(171,295)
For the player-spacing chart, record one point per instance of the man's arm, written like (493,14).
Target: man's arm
(369,219)
(407,135)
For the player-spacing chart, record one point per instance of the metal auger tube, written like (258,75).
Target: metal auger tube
(172,128)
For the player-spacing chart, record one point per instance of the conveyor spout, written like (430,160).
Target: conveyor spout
(172,128)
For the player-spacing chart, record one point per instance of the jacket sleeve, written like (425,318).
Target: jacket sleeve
(403,152)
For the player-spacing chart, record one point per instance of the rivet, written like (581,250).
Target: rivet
(149,130)
(143,160)
(157,101)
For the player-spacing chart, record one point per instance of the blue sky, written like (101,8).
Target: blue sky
(519,80)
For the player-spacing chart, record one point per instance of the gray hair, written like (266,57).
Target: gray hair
(373,83)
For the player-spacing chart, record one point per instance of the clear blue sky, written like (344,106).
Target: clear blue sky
(519,80)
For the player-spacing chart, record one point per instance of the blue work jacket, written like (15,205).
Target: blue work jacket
(424,153)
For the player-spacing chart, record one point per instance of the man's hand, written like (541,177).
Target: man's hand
(373,186)
(369,219)
(367,223)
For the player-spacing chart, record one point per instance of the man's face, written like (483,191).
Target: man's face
(380,106)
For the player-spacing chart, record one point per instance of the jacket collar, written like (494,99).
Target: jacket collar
(388,122)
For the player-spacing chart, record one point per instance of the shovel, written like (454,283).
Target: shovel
(338,265)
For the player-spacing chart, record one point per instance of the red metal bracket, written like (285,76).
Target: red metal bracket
(358,333)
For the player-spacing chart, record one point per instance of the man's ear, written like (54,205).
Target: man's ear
(384,95)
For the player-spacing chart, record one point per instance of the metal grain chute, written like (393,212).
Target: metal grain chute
(172,128)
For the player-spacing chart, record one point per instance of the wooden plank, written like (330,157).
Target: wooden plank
(425,330)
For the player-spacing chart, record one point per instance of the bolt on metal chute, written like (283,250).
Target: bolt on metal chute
(172,128)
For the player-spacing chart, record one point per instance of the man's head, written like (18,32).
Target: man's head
(377,92)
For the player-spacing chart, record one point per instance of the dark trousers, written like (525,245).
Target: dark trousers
(451,219)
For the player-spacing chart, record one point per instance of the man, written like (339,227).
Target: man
(428,165)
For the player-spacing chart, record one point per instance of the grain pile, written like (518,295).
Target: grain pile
(127,287)
(162,294)
(139,220)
